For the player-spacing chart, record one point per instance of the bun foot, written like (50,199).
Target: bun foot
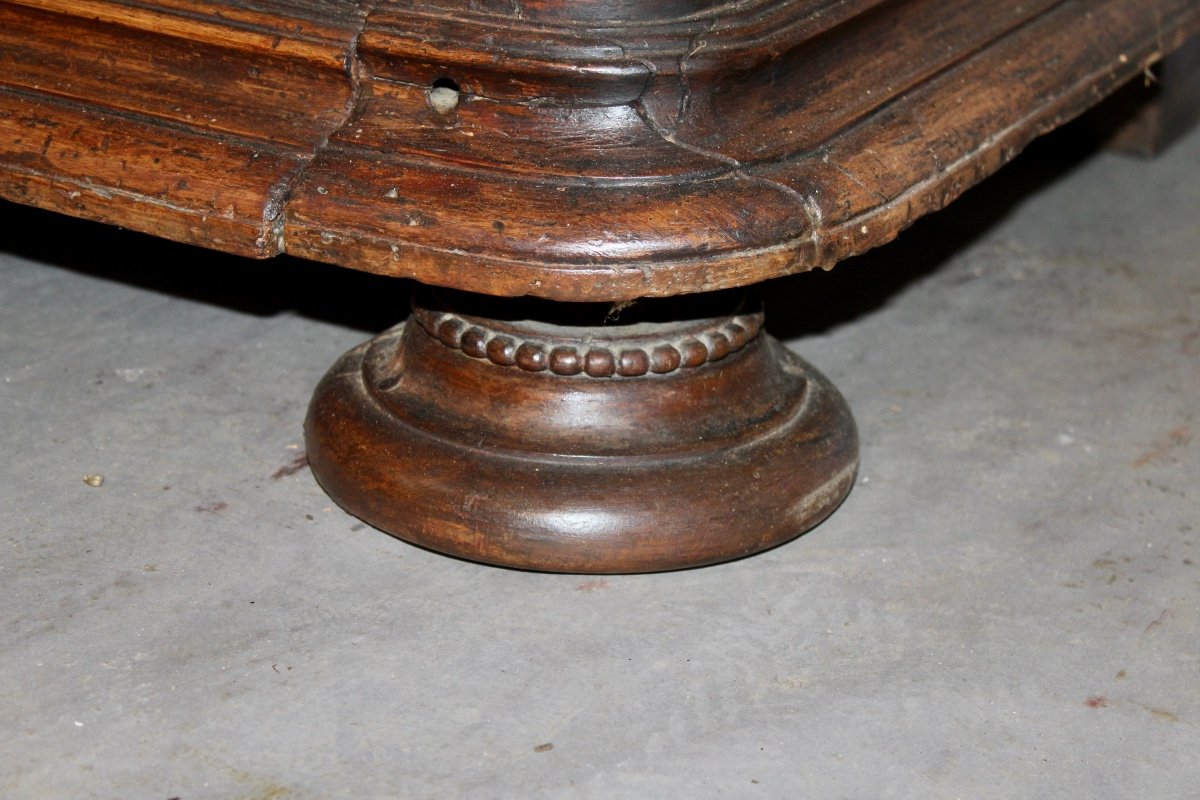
(524,434)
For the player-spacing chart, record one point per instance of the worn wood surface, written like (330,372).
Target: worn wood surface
(594,150)
(187,120)
(640,445)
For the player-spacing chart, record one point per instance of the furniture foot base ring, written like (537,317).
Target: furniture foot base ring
(605,449)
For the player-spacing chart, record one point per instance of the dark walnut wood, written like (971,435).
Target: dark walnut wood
(592,151)
(582,150)
(632,446)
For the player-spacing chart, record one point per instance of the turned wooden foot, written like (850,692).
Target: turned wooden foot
(527,434)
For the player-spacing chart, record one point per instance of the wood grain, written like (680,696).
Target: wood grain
(598,150)
(186,120)
(685,443)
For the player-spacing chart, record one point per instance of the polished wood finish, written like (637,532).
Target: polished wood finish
(593,151)
(632,446)
(188,120)
(600,150)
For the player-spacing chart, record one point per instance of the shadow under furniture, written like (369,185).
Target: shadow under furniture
(587,193)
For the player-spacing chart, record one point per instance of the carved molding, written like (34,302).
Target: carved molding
(599,355)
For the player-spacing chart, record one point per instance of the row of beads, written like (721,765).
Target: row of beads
(595,361)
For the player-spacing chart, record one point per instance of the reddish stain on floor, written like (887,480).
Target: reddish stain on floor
(1096,702)
(1165,615)
(212,508)
(1176,438)
(591,586)
(298,463)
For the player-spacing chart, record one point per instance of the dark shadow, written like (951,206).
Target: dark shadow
(818,301)
(669,310)
(796,306)
(281,285)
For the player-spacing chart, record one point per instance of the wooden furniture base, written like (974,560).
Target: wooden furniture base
(535,437)
(578,151)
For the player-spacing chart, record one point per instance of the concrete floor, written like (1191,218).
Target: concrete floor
(1008,604)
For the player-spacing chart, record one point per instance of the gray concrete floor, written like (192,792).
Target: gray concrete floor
(1008,604)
